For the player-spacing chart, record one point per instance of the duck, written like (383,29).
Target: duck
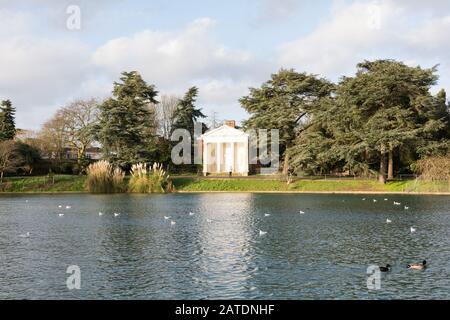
(209,220)
(261,233)
(100,213)
(388,221)
(68,207)
(386,269)
(386,199)
(116,214)
(413,229)
(267,215)
(406,208)
(26,235)
(301,212)
(418,266)
(167,217)
(191,213)
(363,199)
(61,215)
(172,223)
(374,200)
(397,203)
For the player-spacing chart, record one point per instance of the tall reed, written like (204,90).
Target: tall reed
(102,177)
(148,180)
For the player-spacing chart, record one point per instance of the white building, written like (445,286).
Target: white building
(225,150)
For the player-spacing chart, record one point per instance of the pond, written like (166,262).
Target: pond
(214,249)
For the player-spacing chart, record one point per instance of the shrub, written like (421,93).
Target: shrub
(144,180)
(103,178)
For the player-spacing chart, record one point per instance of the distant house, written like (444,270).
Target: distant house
(225,150)
(93,153)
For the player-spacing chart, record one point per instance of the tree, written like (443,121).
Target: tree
(7,121)
(186,113)
(126,127)
(282,103)
(165,111)
(52,138)
(9,157)
(389,105)
(78,120)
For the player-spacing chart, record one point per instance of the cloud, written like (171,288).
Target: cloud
(165,57)
(360,30)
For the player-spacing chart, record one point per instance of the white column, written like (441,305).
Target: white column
(246,160)
(218,156)
(232,158)
(205,157)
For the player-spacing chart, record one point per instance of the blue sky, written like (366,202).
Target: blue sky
(223,47)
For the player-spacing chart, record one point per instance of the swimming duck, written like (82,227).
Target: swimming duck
(388,221)
(413,229)
(261,233)
(418,266)
(386,269)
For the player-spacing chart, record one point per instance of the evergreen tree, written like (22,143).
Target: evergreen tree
(185,116)
(126,127)
(186,113)
(7,121)
(282,102)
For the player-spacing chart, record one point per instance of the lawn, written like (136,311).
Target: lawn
(71,183)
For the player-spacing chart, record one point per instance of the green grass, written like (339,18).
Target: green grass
(199,184)
(62,183)
(70,183)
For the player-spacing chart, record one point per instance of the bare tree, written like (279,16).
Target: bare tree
(71,126)
(165,111)
(9,157)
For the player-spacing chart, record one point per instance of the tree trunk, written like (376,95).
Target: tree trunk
(390,165)
(382,173)
(286,163)
(1,177)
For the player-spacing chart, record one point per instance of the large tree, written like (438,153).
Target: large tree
(385,111)
(126,128)
(7,121)
(282,103)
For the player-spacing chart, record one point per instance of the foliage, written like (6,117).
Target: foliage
(127,122)
(7,121)
(102,177)
(144,180)
(10,158)
(434,168)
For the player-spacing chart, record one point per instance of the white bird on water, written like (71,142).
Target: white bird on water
(374,200)
(68,207)
(386,199)
(116,214)
(172,223)
(267,215)
(406,208)
(302,212)
(26,235)
(388,221)
(61,215)
(261,233)
(397,203)
(209,220)
(191,213)
(413,229)
(166,217)
(60,206)
(100,213)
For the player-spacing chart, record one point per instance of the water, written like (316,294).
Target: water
(323,254)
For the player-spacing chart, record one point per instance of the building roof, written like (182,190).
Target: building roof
(224,133)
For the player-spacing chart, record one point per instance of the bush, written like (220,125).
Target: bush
(154,180)
(103,178)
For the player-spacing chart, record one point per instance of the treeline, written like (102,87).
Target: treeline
(132,126)
(378,122)
(382,121)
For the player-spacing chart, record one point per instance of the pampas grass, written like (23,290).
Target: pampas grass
(102,177)
(148,180)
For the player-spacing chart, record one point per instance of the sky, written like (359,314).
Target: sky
(55,51)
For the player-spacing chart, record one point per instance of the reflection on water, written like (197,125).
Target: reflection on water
(217,252)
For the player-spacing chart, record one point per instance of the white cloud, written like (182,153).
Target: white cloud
(167,57)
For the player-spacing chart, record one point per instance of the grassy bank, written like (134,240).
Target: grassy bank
(198,184)
(69,183)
